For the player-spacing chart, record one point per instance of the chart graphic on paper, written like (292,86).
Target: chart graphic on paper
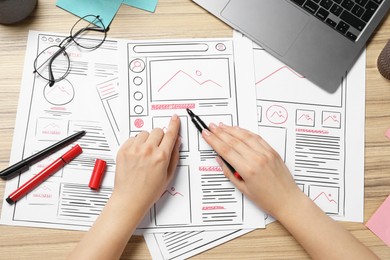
(190,79)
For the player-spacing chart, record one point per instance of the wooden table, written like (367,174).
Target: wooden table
(183,19)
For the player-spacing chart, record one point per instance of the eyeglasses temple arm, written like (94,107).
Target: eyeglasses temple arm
(51,76)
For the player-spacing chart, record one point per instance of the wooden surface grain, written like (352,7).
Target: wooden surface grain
(183,19)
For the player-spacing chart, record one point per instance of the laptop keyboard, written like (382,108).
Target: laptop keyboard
(348,17)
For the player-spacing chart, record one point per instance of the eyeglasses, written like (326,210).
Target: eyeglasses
(53,63)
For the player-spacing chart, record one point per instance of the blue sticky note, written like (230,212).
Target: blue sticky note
(106,9)
(147,5)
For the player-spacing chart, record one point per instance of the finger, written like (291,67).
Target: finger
(233,142)
(122,152)
(222,148)
(170,137)
(128,143)
(141,138)
(239,183)
(155,136)
(174,159)
(252,140)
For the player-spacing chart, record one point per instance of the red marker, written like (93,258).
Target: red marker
(44,174)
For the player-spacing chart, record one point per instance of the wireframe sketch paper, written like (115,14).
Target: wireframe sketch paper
(166,77)
(319,135)
(49,114)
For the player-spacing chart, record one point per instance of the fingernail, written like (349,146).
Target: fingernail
(222,125)
(206,132)
(174,117)
(213,126)
(179,142)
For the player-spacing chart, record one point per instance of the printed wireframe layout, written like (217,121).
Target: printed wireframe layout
(165,78)
(49,115)
(310,124)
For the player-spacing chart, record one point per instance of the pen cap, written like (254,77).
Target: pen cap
(72,153)
(97,174)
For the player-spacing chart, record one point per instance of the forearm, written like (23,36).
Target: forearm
(319,235)
(110,233)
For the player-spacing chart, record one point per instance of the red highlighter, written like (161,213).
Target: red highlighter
(44,174)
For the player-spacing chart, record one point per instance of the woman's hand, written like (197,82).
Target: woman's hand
(265,178)
(146,163)
(267,182)
(145,166)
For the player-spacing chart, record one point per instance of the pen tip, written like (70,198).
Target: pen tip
(189,111)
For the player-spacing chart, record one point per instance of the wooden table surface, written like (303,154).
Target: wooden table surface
(184,19)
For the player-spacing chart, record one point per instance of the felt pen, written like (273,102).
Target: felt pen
(44,174)
(23,165)
(200,125)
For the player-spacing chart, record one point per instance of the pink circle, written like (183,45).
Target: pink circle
(277,114)
(139,123)
(220,47)
(198,73)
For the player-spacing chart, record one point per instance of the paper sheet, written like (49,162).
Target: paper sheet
(104,8)
(147,5)
(166,77)
(319,135)
(379,223)
(49,114)
(183,245)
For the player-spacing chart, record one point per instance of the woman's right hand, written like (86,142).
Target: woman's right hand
(265,178)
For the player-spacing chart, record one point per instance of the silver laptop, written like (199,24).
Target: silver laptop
(320,39)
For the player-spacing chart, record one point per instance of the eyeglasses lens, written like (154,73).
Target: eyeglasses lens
(89,32)
(53,57)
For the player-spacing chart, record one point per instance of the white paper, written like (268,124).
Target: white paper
(319,135)
(183,245)
(166,77)
(49,114)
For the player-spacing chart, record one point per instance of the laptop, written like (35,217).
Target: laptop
(320,39)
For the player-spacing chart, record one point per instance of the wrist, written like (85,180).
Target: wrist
(128,206)
(293,206)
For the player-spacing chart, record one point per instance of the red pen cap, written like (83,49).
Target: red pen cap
(97,174)
(72,153)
